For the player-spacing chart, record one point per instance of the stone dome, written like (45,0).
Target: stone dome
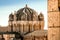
(27,14)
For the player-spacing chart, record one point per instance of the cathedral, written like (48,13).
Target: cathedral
(26,24)
(26,20)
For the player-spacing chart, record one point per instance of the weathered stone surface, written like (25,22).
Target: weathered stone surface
(36,35)
(53,20)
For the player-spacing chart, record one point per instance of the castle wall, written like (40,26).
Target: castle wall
(53,20)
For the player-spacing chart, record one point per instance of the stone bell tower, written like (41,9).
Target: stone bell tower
(53,20)
(41,21)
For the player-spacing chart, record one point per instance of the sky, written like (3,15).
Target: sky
(9,6)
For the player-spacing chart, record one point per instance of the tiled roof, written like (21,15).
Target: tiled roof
(38,33)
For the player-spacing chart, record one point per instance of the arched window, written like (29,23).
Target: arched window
(34,27)
(40,26)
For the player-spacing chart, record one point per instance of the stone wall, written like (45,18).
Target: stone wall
(27,26)
(36,38)
(53,20)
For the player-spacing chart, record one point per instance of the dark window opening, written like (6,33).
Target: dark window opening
(59,8)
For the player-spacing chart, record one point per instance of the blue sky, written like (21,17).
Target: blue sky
(8,6)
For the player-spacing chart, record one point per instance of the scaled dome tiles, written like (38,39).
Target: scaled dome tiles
(27,14)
